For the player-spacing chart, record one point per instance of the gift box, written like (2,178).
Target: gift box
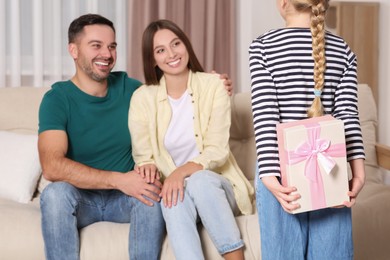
(312,154)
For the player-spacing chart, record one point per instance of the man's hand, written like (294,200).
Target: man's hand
(285,195)
(133,184)
(226,81)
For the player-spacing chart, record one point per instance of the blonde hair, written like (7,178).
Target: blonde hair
(318,9)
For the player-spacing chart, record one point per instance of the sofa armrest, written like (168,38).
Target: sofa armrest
(383,155)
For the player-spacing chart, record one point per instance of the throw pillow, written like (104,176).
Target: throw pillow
(19,166)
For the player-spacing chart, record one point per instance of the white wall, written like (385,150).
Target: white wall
(256,17)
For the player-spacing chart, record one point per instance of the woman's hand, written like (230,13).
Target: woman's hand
(149,172)
(285,195)
(173,188)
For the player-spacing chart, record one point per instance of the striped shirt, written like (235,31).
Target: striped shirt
(281,67)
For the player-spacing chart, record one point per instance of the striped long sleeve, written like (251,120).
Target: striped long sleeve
(281,68)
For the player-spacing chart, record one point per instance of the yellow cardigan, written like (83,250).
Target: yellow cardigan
(149,118)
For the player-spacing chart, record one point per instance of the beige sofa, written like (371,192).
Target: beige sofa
(20,233)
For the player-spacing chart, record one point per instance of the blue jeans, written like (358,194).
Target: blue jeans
(324,234)
(208,198)
(66,209)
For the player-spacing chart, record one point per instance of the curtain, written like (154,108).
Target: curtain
(33,35)
(33,38)
(209,24)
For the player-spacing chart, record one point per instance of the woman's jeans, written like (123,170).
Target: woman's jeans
(210,197)
(324,234)
(66,209)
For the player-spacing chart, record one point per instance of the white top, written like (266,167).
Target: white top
(180,137)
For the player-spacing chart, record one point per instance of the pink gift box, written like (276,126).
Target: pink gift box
(312,154)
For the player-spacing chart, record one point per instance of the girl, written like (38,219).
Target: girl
(179,123)
(297,72)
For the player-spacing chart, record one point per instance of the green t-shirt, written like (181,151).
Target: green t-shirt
(97,127)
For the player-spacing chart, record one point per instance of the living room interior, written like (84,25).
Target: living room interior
(20,94)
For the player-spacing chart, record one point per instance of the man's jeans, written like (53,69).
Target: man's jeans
(324,234)
(66,209)
(209,196)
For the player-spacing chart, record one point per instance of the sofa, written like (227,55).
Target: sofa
(20,229)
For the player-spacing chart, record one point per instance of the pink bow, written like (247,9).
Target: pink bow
(316,151)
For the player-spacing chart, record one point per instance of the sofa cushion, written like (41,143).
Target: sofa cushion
(20,230)
(95,246)
(22,104)
(371,223)
(42,183)
(19,166)
(242,138)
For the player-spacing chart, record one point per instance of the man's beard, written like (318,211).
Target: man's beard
(87,68)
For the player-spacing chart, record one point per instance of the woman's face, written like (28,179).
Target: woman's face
(170,53)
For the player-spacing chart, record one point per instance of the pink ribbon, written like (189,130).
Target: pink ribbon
(316,151)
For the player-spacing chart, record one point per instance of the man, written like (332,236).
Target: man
(85,150)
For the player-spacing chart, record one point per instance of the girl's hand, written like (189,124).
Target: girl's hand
(356,185)
(357,182)
(149,172)
(285,195)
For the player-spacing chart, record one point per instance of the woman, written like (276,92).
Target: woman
(179,123)
(298,72)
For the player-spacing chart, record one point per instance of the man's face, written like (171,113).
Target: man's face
(95,51)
